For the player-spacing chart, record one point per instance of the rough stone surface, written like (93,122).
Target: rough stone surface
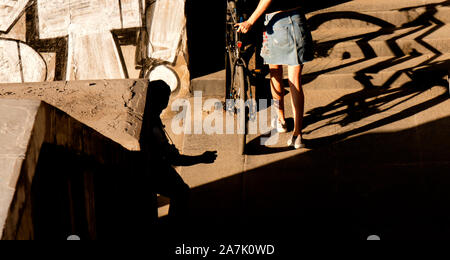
(113,108)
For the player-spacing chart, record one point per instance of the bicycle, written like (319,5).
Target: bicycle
(239,93)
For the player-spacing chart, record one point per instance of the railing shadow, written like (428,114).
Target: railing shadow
(373,98)
(358,107)
(425,22)
(365,103)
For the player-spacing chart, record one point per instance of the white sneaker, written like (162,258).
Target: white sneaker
(296,142)
(281,128)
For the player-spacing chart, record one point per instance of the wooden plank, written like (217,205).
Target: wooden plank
(9,12)
(18,31)
(58,17)
(93,53)
(94,15)
(129,53)
(131,13)
(50,61)
(94,56)
(54,18)
(20,63)
(34,68)
(165,24)
(10,69)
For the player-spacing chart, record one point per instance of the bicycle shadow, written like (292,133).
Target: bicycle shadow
(355,107)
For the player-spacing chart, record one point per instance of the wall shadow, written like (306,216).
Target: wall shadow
(205,25)
(75,194)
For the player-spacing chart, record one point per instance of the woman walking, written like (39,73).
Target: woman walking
(286,41)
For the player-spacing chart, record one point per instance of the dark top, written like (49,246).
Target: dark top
(282,5)
(160,148)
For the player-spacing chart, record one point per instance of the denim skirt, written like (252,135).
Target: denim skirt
(287,39)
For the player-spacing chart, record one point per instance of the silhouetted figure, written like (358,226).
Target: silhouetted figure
(163,154)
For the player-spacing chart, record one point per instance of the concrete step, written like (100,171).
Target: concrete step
(325,73)
(402,131)
(328,113)
(347,19)
(381,5)
(210,85)
(372,42)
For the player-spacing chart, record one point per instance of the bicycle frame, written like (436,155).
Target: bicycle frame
(240,81)
(234,46)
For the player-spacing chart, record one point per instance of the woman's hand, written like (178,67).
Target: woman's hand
(244,27)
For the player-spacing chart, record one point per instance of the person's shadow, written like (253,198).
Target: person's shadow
(159,155)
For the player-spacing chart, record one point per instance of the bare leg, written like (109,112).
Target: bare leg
(277,88)
(298,97)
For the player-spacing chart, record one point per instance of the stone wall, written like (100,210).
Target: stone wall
(61,177)
(114,108)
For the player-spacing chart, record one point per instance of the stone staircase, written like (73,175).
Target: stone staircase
(378,81)
(365,43)
(378,62)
